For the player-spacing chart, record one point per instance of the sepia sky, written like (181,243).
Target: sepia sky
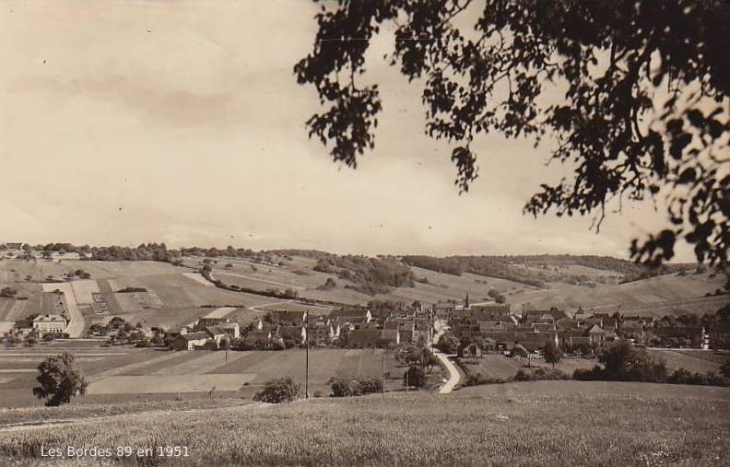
(133,121)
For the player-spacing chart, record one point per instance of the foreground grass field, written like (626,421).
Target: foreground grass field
(541,423)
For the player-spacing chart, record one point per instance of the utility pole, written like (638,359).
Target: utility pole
(382,365)
(306,338)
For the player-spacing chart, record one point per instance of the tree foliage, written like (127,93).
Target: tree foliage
(276,391)
(415,376)
(644,86)
(59,379)
(553,354)
(345,387)
(448,343)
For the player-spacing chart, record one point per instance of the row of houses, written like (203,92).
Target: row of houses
(346,327)
(39,327)
(499,328)
(206,333)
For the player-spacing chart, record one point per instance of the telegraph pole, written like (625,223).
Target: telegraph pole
(306,365)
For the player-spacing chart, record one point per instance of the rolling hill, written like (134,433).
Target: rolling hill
(175,294)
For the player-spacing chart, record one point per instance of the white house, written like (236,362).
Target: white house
(52,324)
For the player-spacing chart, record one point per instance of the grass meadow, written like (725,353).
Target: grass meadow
(539,423)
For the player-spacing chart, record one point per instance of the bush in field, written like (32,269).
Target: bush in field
(415,376)
(340,387)
(725,369)
(345,387)
(276,391)
(683,376)
(585,374)
(8,292)
(478,379)
(540,374)
(371,385)
(622,362)
(59,379)
(329,284)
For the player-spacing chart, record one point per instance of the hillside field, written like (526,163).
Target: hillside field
(674,293)
(173,293)
(519,424)
(174,296)
(123,373)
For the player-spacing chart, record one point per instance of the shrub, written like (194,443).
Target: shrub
(592,374)
(540,374)
(415,376)
(448,343)
(548,374)
(276,391)
(725,369)
(328,284)
(340,387)
(8,292)
(683,376)
(344,387)
(478,379)
(371,385)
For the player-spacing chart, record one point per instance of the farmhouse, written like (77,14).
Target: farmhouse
(554,314)
(190,340)
(205,322)
(51,324)
(351,315)
(324,332)
(289,317)
(293,332)
(232,329)
(364,338)
(262,337)
(216,334)
(471,350)
(390,336)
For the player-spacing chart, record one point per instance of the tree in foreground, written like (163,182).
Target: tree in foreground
(276,391)
(59,379)
(644,88)
(553,354)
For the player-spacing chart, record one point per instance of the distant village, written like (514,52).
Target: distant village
(480,327)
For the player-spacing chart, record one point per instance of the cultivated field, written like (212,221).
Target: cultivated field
(669,294)
(540,423)
(691,360)
(171,287)
(494,366)
(125,372)
(298,275)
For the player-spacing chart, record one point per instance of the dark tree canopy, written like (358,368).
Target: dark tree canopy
(59,379)
(645,105)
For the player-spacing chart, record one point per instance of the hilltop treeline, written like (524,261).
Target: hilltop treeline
(535,270)
(370,275)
